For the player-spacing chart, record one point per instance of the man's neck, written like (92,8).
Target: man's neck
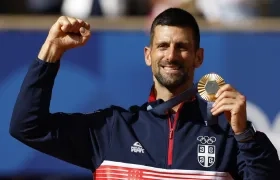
(166,94)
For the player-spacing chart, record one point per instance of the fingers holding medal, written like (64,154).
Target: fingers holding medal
(225,99)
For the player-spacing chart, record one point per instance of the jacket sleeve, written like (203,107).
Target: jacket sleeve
(258,159)
(80,139)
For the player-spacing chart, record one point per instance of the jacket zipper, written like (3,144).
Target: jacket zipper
(170,141)
(172,127)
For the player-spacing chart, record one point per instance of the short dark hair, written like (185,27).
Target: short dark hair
(176,17)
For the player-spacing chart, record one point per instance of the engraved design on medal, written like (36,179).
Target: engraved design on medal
(208,86)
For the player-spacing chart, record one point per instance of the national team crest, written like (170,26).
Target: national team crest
(206,151)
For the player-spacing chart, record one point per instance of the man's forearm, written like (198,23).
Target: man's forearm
(50,53)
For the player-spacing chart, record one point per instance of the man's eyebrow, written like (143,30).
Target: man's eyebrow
(167,42)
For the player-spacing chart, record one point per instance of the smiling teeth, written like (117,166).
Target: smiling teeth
(171,68)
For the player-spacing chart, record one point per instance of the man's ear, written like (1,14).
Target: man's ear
(199,58)
(147,53)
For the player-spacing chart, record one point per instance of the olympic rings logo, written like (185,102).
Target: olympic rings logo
(206,139)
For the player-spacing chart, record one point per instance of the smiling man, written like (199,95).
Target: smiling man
(115,143)
(173,53)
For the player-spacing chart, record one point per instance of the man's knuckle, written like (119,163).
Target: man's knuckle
(67,24)
(222,101)
(226,93)
(80,20)
(226,86)
(242,98)
(62,17)
(75,21)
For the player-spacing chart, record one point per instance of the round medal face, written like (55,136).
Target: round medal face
(209,85)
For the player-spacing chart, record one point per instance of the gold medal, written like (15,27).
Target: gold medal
(209,85)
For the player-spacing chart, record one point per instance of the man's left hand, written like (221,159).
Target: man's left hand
(233,104)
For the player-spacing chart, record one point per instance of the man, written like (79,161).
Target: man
(115,143)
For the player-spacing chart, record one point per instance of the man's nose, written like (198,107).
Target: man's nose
(172,54)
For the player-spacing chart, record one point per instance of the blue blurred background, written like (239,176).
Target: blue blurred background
(242,46)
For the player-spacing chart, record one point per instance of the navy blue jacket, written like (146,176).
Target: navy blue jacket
(115,143)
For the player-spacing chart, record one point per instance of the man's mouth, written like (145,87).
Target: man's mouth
(171,69)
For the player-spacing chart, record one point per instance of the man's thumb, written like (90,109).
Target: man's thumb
(84,31)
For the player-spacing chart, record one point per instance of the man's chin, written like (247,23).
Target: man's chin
(171,81)
(173,84)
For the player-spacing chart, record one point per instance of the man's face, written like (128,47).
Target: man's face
(172,56)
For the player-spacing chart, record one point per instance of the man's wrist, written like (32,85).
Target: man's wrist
(248,134)
(50,53)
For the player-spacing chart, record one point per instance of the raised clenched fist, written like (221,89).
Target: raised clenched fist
(69,32)
(65,33)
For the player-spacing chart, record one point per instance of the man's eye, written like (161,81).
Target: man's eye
(163,46)
(182,47)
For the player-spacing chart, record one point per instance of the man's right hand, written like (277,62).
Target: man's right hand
(66,33)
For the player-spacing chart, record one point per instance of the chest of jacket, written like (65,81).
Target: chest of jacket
(146,140)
